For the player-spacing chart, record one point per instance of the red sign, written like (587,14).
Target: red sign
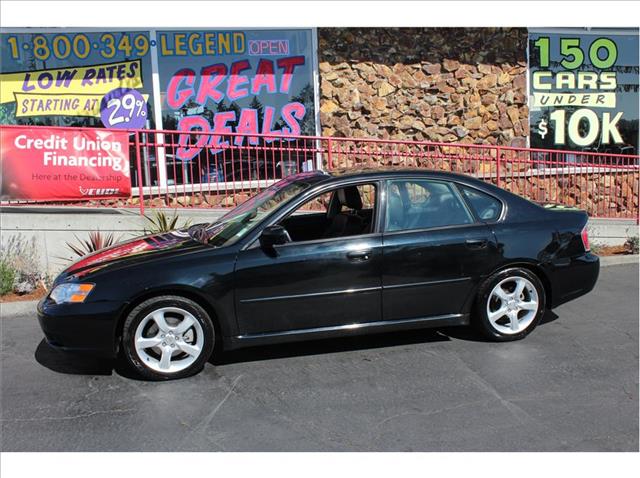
(56,164)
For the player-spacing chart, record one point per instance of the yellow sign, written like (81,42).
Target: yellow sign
(37,104)
(95,80)
(592,100)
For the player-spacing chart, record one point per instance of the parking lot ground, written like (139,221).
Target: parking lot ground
(570,386)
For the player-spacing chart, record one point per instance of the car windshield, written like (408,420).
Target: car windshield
(239,221)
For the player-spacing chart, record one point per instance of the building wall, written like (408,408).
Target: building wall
(465,85)
(48,230)
(45,232)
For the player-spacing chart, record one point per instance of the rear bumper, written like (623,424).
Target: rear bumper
(85,328)
(574,277)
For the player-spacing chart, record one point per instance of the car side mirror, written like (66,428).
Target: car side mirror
(274,236)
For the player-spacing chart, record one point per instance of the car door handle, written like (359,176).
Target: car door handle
(476,243)
(362,255)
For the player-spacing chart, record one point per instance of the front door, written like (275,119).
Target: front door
(314,282)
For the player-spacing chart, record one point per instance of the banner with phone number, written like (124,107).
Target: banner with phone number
(55,164)
(79,75)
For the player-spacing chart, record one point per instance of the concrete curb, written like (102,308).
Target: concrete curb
(29,307)
(607,261)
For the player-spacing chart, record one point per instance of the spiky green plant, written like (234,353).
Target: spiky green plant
(160,222)
(97,240)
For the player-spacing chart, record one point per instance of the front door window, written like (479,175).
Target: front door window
(342,212)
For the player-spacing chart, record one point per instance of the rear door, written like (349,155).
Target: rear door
(435,251)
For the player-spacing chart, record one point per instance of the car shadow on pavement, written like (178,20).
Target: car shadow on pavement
(81,364)
(549,316)
(75,364)
(70,363)
(470,334)
(326,346)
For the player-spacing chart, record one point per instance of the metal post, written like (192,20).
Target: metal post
(161,162)
(498,154)
(145,158)
(329,153)
(139,163)
(638,212)
(633,195)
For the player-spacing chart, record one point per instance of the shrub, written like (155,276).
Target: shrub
(7,277)
(632,245)
(96,241)
(597,248)
(160,222)
(22,256)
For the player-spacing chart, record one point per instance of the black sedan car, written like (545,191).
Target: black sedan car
(317,255)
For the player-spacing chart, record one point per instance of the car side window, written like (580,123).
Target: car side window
(340,212)
(422,204)
(486,207)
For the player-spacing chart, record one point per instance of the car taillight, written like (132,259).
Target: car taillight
(585,239)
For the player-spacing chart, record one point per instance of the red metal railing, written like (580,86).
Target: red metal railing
(225,169)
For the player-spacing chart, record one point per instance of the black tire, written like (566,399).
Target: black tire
(481,318)
(142,311)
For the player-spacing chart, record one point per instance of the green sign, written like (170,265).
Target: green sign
(584,90)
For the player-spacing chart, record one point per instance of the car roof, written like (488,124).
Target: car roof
(389,173)
(382,173)
(337,175)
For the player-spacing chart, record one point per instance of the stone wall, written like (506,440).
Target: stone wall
(606,194)
(465,85)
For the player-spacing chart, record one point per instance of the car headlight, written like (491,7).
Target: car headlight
(70,293)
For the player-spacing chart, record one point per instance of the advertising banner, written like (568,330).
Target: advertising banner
(247,82)
(584,90)
(54,164)
(93,79)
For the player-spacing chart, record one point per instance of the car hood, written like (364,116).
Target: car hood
(134,251)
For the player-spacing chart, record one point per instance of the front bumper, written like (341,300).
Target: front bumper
(88,327)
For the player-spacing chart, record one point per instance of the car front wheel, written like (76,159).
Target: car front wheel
(510,304)
(167,337)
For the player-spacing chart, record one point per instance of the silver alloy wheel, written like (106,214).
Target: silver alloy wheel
(512,305)
(169,340)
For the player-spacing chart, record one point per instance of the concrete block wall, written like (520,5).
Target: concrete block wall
(51,228)
(611,232)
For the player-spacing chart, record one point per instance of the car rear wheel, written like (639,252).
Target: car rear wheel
(510,304)
(167,337)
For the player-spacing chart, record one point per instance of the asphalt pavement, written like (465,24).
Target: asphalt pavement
(572,385)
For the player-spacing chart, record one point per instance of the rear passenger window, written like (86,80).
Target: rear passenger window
(486,207)
(423,204)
